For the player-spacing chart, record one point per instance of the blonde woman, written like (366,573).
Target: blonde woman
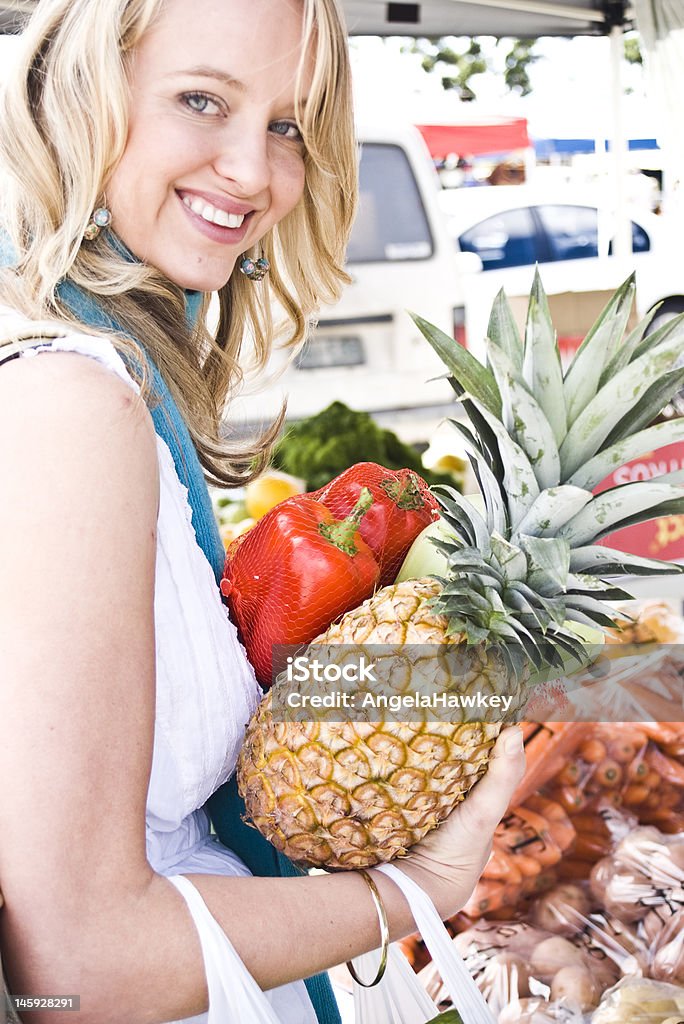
(155,152)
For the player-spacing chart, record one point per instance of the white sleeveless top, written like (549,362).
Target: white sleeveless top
(206,693)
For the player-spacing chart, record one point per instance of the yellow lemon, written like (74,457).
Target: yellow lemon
(268,490)
(230,531)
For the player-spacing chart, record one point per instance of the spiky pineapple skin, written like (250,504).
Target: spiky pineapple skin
(351,794)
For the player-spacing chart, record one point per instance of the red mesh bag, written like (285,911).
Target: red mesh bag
(293,574)
(402,507)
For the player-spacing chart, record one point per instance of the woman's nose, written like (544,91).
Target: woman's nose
(244,162)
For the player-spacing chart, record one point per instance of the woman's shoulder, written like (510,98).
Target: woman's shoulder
(21,335)
(82,405)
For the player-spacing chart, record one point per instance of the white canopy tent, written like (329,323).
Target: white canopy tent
(522,18)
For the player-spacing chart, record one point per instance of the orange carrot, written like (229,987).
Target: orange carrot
(608,773)
(590,848)
(636,735)
(636,794)
(572,798)
(664,818)
(488,895)
(592,751)
(551,810)
(502,866)
(665,766)
(571,774)
(562,832)
(671,796)
(534,819)
(529,865)
(622,750)
(638,769)
(590,822)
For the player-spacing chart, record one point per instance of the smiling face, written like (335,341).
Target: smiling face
(214,158)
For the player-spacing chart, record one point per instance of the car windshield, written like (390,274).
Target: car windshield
(391,223)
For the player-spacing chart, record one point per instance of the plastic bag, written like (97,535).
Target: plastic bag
(667,951)
(645,871)
(527,844)
(641,1001)
(635,677)
(397,999)
(233,992)
(523,969)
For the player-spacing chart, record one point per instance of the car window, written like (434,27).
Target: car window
(572,232)
(391,223)
(506,240)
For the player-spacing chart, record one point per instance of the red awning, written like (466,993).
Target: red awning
(500,135)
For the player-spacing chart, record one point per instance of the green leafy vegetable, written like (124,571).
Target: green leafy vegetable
(323,446)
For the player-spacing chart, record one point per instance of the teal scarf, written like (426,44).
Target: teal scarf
(225,807)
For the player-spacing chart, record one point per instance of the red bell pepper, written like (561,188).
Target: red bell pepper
(295,572)
(402,507)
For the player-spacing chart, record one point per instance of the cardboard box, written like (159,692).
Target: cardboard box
(572,313)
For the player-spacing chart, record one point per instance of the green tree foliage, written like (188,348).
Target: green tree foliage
(518,60)
(457,69)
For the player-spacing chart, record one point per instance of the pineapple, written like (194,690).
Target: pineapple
(519,581)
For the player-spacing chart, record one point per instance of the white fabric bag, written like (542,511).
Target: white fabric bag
(400,997)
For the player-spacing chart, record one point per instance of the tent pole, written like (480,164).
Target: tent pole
(622,237)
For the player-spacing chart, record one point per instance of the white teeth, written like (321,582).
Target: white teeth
(222,218)
(209,213)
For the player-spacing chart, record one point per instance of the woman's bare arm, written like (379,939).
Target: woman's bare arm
(84,912)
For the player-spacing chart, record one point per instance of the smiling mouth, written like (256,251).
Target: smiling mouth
(211,215)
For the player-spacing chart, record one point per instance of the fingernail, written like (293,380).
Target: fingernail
(513,741)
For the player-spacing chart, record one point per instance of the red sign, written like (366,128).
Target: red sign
(659,538)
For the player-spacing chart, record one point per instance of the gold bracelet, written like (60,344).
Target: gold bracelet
(384,935)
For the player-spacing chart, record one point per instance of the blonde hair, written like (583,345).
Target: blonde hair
(65,119)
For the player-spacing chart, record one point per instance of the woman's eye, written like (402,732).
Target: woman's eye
(200,103)
(288,130)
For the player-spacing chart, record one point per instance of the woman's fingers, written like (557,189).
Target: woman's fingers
(487,802)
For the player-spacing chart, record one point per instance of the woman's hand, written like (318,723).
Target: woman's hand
(451,858)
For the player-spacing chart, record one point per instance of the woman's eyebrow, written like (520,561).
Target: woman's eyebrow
(205,71)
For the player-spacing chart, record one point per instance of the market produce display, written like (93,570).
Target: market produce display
(515,582)
(587,950)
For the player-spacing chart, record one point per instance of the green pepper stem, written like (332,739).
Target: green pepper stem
(405,493)
(341,532)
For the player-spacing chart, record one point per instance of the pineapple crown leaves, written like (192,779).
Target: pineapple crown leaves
(512,435)
(518,596)
(539,443)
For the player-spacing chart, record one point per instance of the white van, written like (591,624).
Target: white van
(366,350)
